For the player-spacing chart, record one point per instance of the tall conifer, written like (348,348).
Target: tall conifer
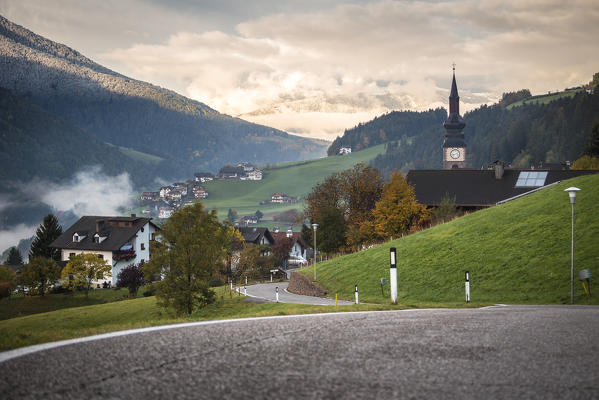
(47,232)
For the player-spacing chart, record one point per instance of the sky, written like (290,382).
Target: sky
(318,67)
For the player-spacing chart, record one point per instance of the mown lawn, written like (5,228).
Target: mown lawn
(19,305)
(518,252)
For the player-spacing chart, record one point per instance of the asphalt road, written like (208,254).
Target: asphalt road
(266,291)
(493,353)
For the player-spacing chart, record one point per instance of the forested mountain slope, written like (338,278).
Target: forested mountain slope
(134,114)
(522,136)
(36,144)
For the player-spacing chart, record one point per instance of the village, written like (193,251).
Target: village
(163,202)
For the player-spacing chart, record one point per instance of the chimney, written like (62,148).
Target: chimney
(289,233)
(499,169)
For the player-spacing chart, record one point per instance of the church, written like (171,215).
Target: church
(454,147)
(478,188)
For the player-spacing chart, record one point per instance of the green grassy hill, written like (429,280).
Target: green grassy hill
(295,179)
(544,99)
(518,252)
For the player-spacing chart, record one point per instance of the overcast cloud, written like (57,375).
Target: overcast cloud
(316,68)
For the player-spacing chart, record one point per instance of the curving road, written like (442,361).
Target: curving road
(491,353)
(266,291)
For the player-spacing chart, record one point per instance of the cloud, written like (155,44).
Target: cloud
(89,192)
(282,62)
(11,237)
(366,59)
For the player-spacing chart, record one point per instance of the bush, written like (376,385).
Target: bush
(150,291)
(59,290)
(216,281)
(132,278)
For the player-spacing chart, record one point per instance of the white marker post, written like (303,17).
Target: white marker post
(393,276)
(271,276)
(245,291)
(467,287)
(277,293)
(231,284)
(356,294)
(246,280)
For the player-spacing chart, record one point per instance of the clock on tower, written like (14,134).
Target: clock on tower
(454,147)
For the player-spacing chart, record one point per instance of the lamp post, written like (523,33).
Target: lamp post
(314,227)
(572,193)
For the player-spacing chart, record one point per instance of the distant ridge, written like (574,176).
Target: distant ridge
(187,134)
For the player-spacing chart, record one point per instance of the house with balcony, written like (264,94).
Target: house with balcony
(119,241)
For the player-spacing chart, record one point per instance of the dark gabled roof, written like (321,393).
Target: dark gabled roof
(117,236)
(297,237)
(474,187)
(253,235)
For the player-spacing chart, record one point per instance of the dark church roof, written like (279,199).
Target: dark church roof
(475,187)
(117,230)
(454,88)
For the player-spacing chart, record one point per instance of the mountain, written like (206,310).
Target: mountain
(125,112)
(37,144)
(550,131)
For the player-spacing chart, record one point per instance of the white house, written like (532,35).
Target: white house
(345,150)
(119,241)
(203,177)
(255,175)
(165,212)
(297,253)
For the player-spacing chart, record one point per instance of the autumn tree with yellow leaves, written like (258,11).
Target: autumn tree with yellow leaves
(398,211)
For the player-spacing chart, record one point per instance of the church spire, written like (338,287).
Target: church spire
(454,98)
(454,147)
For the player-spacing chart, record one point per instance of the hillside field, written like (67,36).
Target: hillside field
(518,252)
(295,179)
(544,99)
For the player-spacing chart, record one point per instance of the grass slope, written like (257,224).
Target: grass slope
(20,306)
(295,179)
(518,252)
(544,99)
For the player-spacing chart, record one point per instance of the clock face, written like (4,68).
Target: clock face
(455,153)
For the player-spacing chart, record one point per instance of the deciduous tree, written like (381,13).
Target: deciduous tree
(342,204)
(8,281)
(40,274)
(232,216)
(46,233)
(83,269)
(397,210)
(131,277)
(191,246)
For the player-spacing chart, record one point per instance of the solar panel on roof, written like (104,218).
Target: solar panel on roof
(531,179)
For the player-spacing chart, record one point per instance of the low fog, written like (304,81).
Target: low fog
(88,192)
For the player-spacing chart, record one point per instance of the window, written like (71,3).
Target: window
(142,229)
(71,255)
(101,256)
(531,179)
(143,246)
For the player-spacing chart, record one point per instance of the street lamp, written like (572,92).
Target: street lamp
(572,193)
(314,227)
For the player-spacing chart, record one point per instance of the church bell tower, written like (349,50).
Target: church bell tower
(454,147)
